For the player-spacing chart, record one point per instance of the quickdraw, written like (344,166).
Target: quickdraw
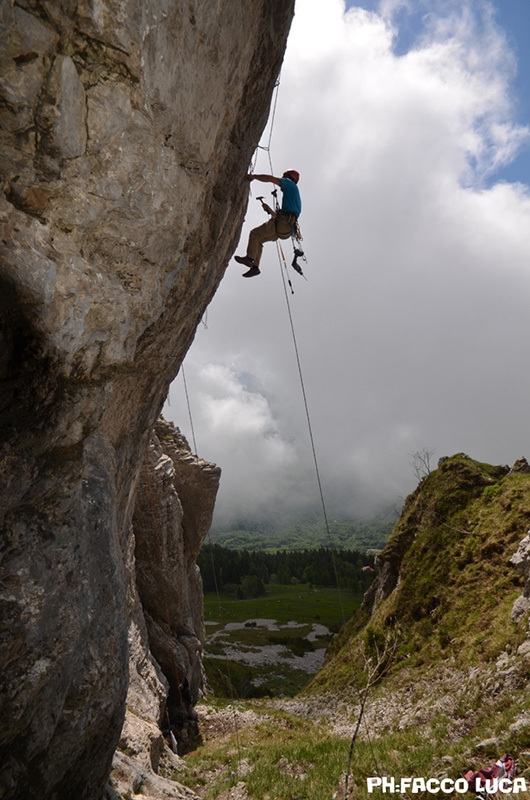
(296,235)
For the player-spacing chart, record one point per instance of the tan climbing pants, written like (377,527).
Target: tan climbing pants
(271,231)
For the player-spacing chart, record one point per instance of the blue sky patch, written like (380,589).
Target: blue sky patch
(513,17)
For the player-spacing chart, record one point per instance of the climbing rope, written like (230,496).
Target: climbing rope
(298,253)
(310,430)
(214,573)
(189,408)
(363,696)
(286,280)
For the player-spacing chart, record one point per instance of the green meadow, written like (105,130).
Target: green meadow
(295,610)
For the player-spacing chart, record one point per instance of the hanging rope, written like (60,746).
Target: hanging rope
(298,253)
(219,609)
(189,409)
(311,437)
(286,280)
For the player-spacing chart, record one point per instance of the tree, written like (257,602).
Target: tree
(421,463)
(379,652)
(252,586)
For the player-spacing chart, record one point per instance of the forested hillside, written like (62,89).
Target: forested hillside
(307,533)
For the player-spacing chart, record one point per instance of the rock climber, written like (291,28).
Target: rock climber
(282,223)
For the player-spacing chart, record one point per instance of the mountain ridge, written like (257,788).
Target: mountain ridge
(453,542)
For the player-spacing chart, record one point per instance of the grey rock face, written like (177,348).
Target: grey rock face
(521,561)
(62,115)
(173,511)
(127,129)
(174,506)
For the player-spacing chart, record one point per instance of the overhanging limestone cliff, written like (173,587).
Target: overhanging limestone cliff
(127,128)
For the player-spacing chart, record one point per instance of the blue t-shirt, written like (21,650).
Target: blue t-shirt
(291,202)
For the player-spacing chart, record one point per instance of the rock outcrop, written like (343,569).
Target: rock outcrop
(521,561)
(127,129)
(457,482)
(173,510)
(436,637)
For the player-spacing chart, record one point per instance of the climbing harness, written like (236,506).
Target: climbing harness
(295,234)
(296,238)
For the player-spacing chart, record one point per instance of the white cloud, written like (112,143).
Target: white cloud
(235,422)
(412,328)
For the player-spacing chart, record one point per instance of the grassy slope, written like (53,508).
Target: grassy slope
(456,696)
(457,678)
(451,550)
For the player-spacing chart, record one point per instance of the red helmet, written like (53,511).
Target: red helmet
(292,174)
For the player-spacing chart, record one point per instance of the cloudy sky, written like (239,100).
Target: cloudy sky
(409,122)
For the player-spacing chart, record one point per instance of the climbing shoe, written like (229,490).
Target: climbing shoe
(245,260)
(251,272)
